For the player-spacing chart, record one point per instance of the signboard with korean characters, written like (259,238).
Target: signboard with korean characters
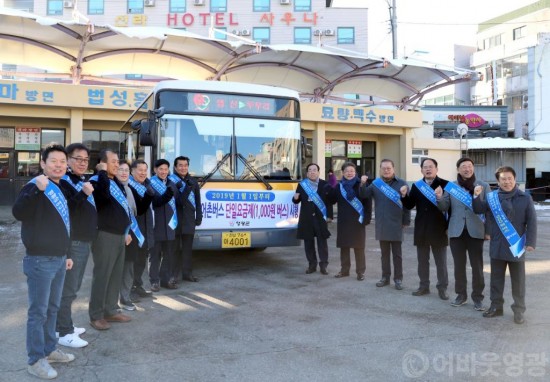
(27,138)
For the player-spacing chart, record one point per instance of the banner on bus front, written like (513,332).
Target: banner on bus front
(248,209)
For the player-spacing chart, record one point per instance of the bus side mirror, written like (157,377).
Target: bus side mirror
(147,129)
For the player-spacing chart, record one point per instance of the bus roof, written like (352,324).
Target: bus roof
(229,87)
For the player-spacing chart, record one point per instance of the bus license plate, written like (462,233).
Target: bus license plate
(235,239)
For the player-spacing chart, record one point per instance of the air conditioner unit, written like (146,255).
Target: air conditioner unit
(245,32)
(236,32)
(285,2)
(525,101)
(198,2)
(317,32)
(68,4)
(329,32)
(149,3)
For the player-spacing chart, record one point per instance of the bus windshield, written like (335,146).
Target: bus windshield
(269,146)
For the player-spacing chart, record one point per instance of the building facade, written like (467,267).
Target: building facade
(307,22)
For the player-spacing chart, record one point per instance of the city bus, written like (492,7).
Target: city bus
(243,142)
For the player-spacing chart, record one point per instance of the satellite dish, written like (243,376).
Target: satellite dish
(462,129)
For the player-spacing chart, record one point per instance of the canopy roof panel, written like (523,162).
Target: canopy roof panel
(80,51)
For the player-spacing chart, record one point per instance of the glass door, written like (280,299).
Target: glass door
(6,178)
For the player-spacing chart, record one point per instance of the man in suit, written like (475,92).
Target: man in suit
(312,223)
(430,226)
(466,232)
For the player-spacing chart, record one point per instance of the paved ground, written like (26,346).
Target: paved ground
(257,317)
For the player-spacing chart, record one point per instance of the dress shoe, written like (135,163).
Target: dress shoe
(311,270)
(155,287)
(141,292)
(459,300)
(493,312)
(479,306)
(398,284)
(518,318)
(324,271)
(360,277)
(443,294)
(169,285)
(341,274)
(100,324)
(383,283)
(193,279)
(119,317)
(421,292)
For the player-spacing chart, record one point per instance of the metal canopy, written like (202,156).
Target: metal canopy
(86,52)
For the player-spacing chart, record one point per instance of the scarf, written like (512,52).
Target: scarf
(130,198)
(313,184)
(348,186)
(468,184)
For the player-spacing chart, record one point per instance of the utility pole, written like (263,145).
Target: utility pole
(393,24)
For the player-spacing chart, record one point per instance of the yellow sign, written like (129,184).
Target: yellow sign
(235,239)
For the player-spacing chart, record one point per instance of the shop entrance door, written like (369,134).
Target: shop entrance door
(7,174)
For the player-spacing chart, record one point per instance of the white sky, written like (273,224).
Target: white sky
(428,25)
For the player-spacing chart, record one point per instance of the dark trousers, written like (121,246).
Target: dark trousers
(387,248)
(184,256)
(459,246)
(108,253)
(322,248)
(440,257)
(517,276)
(345,261)
(161,262)
(140,262)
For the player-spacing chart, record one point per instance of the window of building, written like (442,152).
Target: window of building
(302,35)
(133,76)
(177,6)
(7,137)
(220,36)
(261,35)
(302,5)
(96,7)
(479,157)
(520,32)
(97,140)
(135,6)
(492,41)
(55,7)
(261,5)
(346,35)
(52,136)
(218,5)
(22,5)
(338,148)
(28,163)
(418,155)
(9,68)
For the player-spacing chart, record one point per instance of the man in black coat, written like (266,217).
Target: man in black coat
(430,227)
(188,201)
(512,223)
(312,223)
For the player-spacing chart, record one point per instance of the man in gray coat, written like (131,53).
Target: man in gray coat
(390,217)
(513,228)
(466,231)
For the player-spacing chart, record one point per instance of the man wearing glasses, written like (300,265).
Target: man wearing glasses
(83,232)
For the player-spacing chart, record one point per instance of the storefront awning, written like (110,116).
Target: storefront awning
(76,51)
(506,144)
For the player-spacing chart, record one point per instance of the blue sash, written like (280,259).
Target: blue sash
(427,191)
(140,188)
(314,196)
(462,196)
(160,187)
(355,203)
(116,193)
(389,192)
(78,188)
(191,197)
(517,244)
(56,197)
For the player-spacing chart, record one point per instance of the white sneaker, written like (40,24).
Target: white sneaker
(59,356)
(42,369)
(72,341)
(79,331)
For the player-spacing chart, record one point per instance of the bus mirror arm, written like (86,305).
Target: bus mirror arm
(256,174)
(218,165)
